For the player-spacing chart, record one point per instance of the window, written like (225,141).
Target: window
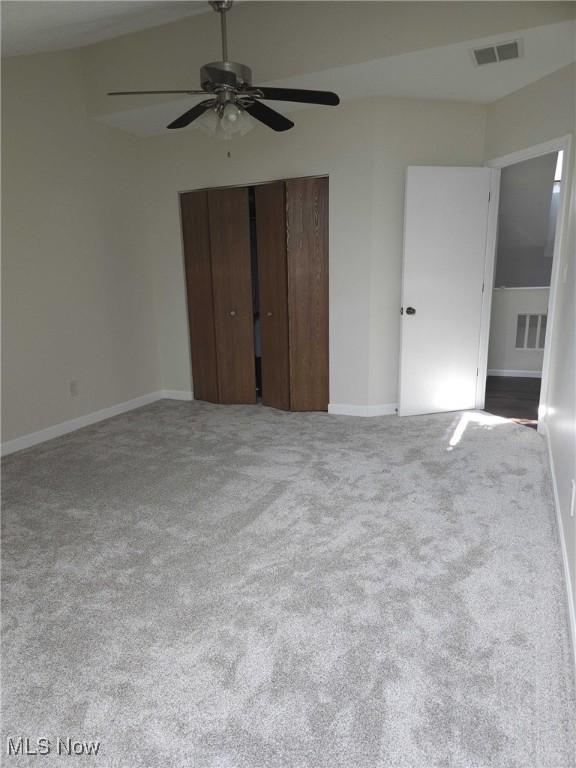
(559,164)
(530,331)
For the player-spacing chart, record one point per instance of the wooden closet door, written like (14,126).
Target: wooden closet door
(272,281)
(232,288)
(307,252)
(196,241)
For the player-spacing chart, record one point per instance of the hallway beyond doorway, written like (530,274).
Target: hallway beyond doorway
(514,398)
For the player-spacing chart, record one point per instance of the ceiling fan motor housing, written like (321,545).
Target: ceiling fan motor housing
(225,74)
(229,84)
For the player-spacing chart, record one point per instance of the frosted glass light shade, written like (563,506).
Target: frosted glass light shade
(234,120)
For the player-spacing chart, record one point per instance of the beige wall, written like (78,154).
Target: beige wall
(546,110)
(542,111)
(364,147)
(76,294)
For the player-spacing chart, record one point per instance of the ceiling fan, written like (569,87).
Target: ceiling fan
(231,92)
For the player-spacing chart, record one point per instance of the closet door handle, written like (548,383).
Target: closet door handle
(232,313)
(268,314)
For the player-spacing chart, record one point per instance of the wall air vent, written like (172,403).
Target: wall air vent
(491,54)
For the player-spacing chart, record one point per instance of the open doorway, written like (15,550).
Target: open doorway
(528,214)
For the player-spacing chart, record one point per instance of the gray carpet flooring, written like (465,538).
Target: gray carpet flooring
(237,587)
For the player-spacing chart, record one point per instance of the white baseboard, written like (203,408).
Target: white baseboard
(543,429)
(517,374)
(35,438)
(175,394)
(341,409)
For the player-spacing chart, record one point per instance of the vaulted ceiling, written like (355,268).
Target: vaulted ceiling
(359,49)
(37,27)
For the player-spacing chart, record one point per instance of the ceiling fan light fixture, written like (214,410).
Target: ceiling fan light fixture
(234,121)
(231,113)
(208,123)
(224,123)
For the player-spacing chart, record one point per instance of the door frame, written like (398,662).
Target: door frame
(562,143)
(260,183)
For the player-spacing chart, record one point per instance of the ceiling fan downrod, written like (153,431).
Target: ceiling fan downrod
(225,78)
(222,7)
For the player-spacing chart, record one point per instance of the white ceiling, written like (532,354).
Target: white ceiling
(446,72)
(35,27)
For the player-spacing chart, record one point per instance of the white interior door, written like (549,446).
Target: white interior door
(445,241)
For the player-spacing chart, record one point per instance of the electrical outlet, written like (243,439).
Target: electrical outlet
(73,387)
(573,498)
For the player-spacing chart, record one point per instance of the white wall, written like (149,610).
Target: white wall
(507,304)
(77,303)
(562,401)
(364,147)
(543,111)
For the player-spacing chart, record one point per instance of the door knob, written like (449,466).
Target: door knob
(410,311)
(268,314)
(233,313)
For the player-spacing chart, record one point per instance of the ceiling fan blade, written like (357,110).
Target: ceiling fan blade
(303,96)
(192,114)
(142,93)
(268,116)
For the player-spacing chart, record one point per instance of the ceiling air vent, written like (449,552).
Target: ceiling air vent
(507,51)
(485,55)
(491,54)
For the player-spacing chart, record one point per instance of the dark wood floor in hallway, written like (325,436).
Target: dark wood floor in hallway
(514,398)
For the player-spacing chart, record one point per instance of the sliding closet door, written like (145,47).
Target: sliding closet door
(272,280)
(307,252)
(196,240)
(232,289)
